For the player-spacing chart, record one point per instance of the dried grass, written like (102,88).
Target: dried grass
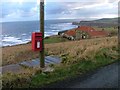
(74,49)
(84,49)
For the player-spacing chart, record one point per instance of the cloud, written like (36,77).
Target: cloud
(13,11)
(56,9)
(25,9)
(105,8)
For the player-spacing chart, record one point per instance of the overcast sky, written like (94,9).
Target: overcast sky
(28,10)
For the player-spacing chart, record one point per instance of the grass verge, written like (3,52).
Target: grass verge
(78,57)
(68,71)
(61,72)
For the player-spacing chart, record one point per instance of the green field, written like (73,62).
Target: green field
(55,39)
(112,30)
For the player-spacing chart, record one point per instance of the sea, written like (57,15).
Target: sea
(15,33)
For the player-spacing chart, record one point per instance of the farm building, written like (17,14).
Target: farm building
(83,32)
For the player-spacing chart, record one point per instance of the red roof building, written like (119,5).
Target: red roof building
(83,32)
(92,32)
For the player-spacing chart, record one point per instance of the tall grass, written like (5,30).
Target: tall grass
(78,49)
(78,57)
(84,49)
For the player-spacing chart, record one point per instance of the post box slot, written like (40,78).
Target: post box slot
(38,36)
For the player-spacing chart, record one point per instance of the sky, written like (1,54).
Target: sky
(28,10)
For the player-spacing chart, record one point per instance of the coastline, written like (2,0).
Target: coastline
(27,42)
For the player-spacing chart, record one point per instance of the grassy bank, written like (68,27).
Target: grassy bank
(24,52)
(77,49)
(79,61)
(78,57)
(61,72)
(67,72)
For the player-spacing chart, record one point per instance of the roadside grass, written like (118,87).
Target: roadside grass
(90,59)
(20,79)
(71,52)
(78,57)
(69,71)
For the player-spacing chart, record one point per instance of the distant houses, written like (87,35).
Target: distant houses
(83,32)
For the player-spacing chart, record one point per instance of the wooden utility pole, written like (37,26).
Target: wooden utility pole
(42,56)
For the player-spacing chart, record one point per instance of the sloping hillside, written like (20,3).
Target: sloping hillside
(105,22)
(74,49)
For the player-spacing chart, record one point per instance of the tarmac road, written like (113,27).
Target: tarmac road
(105,77)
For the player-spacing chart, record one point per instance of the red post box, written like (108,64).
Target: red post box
(37,41)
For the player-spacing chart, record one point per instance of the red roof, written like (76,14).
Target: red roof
(90,30)
(71,32)
(85,28)
(98,33)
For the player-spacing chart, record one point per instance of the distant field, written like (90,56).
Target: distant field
(54,39)
(112,30)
